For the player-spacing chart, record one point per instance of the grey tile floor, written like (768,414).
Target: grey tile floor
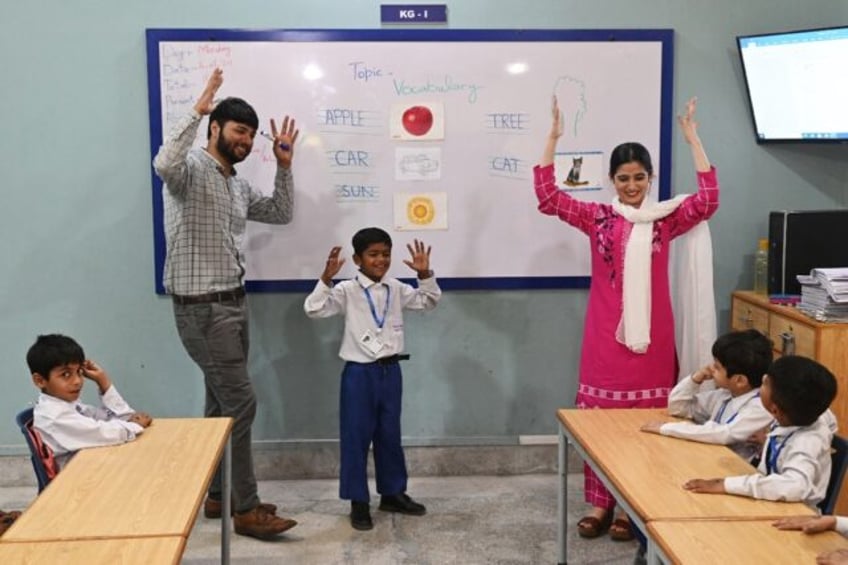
(470,520)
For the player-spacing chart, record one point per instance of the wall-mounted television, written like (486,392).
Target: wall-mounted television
(797,84)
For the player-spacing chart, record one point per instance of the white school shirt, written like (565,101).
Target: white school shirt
(741,416)
(349,298)
(66,427)
(842,525)
(803,465)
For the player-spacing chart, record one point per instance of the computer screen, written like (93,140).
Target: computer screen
(797,84)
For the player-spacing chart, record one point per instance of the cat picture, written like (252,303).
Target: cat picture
(573,178)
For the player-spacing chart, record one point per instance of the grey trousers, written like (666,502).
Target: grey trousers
(215,336)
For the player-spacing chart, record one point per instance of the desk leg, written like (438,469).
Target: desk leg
(562,498)
(655,555)
(226,470)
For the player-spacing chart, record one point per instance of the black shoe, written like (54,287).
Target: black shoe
(403,504)
(360,515)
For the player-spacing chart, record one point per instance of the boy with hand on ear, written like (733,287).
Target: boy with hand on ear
(795,463)
(371,386)
(732,411)
(59,369)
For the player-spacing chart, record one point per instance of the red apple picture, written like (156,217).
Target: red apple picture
(417,120)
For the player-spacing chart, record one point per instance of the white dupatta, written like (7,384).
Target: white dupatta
(692,275)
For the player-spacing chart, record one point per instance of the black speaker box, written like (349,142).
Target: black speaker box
(800,241)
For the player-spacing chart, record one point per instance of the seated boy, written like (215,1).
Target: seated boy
(795,462)
(371,384)
(59,368)
(732,411)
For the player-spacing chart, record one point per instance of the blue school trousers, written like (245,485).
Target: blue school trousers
(369,412)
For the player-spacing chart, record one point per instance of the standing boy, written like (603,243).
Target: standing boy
(731,412)
(795,463)
(207,207)
(66,425)
(371,387)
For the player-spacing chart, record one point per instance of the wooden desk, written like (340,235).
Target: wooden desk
(757,541)
(646,472)
(115,551)
(150,487)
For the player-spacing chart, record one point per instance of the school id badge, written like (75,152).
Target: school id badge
(372,342)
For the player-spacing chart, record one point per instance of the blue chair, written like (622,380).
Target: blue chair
(40,453)
(839,465)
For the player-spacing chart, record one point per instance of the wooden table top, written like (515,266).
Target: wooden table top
(747,541)
(650,469)
(152,486)
(115,551)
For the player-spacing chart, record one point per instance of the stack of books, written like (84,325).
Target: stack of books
(824,294)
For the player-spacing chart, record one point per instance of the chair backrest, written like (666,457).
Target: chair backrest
(839,465)
(41,455)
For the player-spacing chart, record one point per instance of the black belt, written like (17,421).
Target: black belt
(391,359)
(223,296)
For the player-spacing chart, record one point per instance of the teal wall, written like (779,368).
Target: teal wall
(487,366)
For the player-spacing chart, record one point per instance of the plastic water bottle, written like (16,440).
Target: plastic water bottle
(761,267)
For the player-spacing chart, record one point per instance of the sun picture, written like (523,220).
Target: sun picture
(420,210)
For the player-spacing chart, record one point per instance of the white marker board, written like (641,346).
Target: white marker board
(427,134)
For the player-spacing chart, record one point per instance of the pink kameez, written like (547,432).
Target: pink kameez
(612,376)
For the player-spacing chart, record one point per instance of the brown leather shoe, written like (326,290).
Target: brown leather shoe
(212,508)
(7,519)
(261,524)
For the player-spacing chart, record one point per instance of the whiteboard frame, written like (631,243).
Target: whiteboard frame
(665,37)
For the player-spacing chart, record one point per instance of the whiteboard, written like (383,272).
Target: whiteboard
(429,134)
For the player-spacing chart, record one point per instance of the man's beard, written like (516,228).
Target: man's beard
(226,150)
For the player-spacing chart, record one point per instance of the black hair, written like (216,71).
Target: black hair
(51,351)
(628,153)
(746,352)
(369,236)
(235,110)
(801,388)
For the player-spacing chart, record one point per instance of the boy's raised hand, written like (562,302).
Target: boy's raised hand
(333,266)
(420,259)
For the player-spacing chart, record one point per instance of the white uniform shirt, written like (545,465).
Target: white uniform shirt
(349,298)
(842,525)
(66,427)
(802,467)
(720,417)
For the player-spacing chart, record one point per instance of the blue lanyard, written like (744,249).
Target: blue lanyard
(726,402)
(378,321)
(773,452)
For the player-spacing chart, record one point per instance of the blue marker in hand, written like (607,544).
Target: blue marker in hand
(268,136)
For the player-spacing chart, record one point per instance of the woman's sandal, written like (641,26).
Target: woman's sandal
(591,527)
(620,530)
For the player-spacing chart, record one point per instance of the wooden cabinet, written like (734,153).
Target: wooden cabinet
(792,331)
